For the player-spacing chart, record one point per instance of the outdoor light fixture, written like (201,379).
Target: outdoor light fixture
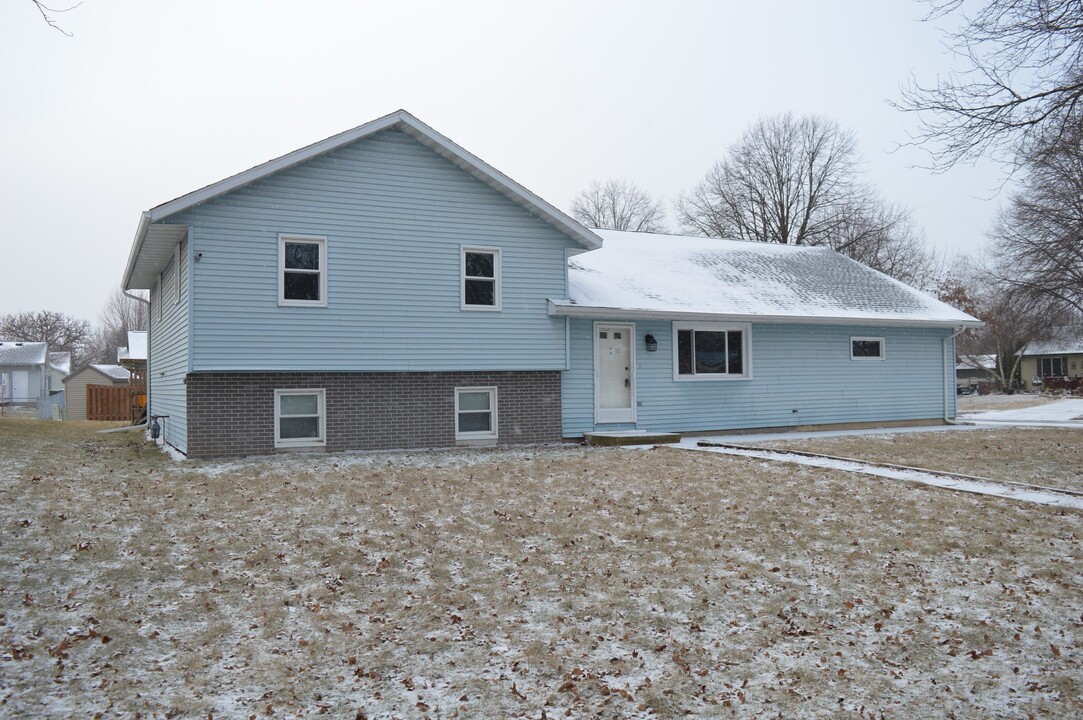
(652,343)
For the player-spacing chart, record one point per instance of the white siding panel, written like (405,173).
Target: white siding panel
(801,375)
(168,362)
(395,215)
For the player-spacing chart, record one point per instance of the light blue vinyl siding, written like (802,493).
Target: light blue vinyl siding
(168,362)
(801,375)
(395,215)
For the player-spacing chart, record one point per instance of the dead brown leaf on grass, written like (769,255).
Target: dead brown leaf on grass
(514,583)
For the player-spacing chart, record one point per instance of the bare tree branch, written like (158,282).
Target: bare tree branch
(618,205)
(1022,82)
(45,10)
(795,181)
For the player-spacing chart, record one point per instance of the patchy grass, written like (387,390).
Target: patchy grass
(1043,456)
(520,583)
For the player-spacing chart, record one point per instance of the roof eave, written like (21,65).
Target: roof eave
(559,309)
(400,119)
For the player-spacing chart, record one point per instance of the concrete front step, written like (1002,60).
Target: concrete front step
(630,437)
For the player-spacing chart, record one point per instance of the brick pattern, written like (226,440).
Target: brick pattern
(232,413)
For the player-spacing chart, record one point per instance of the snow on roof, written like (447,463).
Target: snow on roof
(652,275)
(60,361)
(1065,341)
(114,371)
(23,353)
(137,346)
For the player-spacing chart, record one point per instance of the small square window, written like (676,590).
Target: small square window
(866,348)
(302,270)
(480,279)
(300,419)
(475,413)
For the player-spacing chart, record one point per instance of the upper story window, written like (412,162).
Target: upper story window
(867,348)
(302,270)
(480,278)
(710,351)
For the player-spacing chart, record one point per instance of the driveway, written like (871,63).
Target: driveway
(1066,413)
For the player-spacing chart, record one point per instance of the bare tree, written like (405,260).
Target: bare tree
(1039,236)
(121,314)
(1022,81)
(885,238)
(1012,319)
(64,333)
(785,181)
(618,205)
(795,181)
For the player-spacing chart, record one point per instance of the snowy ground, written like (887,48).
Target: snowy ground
(543,582)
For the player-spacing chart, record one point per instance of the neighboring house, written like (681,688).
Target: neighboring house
(58,366)
(972,369)
(134,356)
(24,372)
(385,288)
(1054,361)
(93,374)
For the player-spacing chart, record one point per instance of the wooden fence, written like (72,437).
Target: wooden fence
(108,402)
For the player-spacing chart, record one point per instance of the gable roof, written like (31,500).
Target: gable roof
(153,244)
(1064,341)
(644,275)
(113,373)
(23,353)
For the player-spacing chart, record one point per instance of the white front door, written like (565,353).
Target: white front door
(614,373)
(20,386)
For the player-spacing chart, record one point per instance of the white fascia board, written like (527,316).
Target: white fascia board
(400,118)
(137,246)
(559,309)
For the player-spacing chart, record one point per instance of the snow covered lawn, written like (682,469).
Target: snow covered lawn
(967,404)
(543,582)
(1042,456)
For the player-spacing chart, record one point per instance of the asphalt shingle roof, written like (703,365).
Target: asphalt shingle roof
(675,274)
(23,353)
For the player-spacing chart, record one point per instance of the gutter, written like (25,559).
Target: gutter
(958,331)
(559,309)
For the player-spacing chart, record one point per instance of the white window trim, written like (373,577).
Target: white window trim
(319,240)
(161,295)
(321,408)
(497,273)
(746,351)
(490,435)
(861,358)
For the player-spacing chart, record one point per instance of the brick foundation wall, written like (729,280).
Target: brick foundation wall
(232,413)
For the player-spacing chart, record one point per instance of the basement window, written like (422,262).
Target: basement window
(300,418)
(302,270)
(475,413)
(866,348)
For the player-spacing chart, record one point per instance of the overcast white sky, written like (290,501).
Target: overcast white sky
(150,100)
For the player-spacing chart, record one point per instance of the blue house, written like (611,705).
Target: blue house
(385,288)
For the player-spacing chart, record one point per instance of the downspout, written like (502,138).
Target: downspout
(959,331)
(146,373)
